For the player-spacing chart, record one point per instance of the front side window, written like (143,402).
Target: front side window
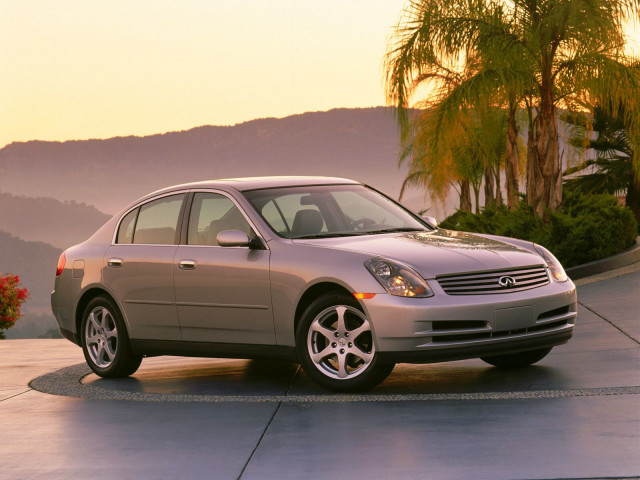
(211,213)
(158,221)
(331,211)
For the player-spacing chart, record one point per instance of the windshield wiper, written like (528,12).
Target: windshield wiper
(395,230)
(327,235)
(358,233)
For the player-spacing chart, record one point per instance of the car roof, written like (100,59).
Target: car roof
(256,183)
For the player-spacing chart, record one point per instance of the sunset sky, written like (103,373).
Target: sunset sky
(78,69)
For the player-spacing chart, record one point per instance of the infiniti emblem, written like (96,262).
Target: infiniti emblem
(507,282)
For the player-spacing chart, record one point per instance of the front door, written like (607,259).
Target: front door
(222,293)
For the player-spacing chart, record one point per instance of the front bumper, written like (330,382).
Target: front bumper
(446,327)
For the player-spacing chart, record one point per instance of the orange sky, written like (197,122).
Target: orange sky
(79,69)
(83,69)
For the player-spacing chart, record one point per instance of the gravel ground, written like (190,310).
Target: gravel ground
(68,382)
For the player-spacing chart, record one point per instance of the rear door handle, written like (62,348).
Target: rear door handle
(187,264)
(114,262)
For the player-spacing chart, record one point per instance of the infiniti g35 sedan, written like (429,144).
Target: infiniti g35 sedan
(326,272)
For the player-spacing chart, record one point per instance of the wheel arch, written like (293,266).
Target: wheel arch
(85,298)
(313,292)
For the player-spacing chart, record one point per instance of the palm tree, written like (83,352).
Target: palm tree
(438,165)
(614,169)
(538,54)
(471,149)
(492,133)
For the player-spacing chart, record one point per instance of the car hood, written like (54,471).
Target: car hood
(436,253)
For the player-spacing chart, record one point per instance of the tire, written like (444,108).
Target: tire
(335,345)
(105,341)
(517,360)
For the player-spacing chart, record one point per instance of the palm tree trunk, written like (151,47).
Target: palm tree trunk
(489,195)
(532,154)
(499,200)
(465,196)
(476,192)
(544,187)
(512,160)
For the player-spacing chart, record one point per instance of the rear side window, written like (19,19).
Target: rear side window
(158,221)
(125,233)
(211,213)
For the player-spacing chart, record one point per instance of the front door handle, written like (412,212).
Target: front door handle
(187,264)
(114,262)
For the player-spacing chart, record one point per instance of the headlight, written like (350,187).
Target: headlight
(398,279)
(557,272)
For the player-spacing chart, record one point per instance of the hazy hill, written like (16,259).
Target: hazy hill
(35,262)
(58,223)
(354,143)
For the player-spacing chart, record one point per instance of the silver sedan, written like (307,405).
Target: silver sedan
(323,271)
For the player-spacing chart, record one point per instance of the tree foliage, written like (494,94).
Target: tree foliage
(11,299)
(538,55)
(613,170)
(472,149)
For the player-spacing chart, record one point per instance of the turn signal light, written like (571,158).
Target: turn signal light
(61,263)
(364,296)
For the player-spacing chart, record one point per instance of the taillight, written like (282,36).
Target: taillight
(61,263)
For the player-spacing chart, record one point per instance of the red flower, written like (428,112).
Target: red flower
(11,299)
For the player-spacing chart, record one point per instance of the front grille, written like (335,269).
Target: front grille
(483,283)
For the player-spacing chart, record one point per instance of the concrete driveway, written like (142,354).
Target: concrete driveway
(576,414)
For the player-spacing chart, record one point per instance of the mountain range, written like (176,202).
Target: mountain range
(48,220)
(35,264)
(361,144)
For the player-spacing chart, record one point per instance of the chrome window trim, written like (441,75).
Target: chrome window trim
(138,205)
(178,192)
(238,206)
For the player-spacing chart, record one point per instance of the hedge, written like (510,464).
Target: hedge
(588,228)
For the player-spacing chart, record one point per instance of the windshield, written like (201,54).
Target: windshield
(331,211)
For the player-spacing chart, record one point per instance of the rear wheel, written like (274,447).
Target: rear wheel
(105,342)
(517,360)
(335,345)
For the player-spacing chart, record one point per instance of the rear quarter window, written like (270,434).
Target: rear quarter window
(128,223)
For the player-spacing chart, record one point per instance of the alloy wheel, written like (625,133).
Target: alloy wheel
(340,342)
(101,337)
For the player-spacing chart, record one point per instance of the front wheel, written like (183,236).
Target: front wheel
(105,342)
(517,360)
(335,345)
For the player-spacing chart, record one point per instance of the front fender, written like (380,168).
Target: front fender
(297,268)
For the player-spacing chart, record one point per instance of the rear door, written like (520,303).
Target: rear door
(139,267)
(222,293)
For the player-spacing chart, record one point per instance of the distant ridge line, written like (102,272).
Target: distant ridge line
(190,129)
(357,143)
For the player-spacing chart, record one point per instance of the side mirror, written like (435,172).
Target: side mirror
(430,220)
(233,238)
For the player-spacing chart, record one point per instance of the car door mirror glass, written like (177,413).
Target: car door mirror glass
(233,238)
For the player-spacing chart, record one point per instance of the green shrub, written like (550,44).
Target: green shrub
(588,228)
